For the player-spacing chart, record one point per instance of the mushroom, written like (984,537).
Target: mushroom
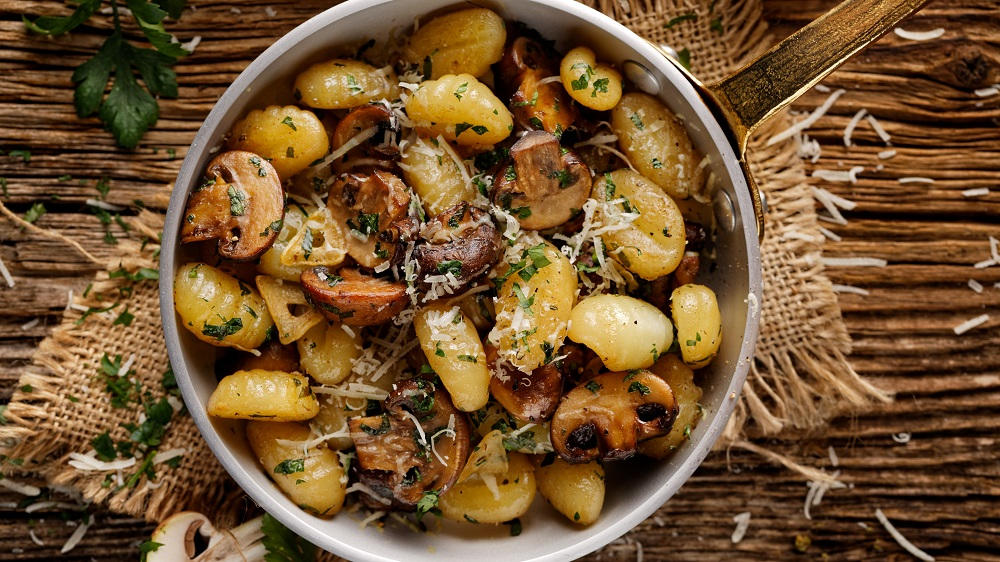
(353,298)
(535,105)
(528,397)
(687,269)
(241,204)
(375,127)
(274,356)
(176,537)
(608,415)
(368,205)
(420,444)
(462,240)
(544,183)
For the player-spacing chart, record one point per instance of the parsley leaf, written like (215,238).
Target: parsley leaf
(219,332)
(104,446)
(427,503)
(684,57)
(283,545)
(681,18)
(462,88)
(147,547)
(237,201)
(290,466)
(600,85)
(453,266)
(288,121)
(637,386)
(34,213)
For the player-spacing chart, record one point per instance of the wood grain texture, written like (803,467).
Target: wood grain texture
(942,489)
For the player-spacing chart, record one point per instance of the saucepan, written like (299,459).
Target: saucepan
(719,119)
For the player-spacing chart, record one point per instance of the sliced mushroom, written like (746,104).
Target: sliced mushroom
(353,298)
(687,269)
(368,205)
(378,127)
(608,415)
(536,105)
(241,205)
(544,183)
(274,356)
(695,235)
(176,538)
(528,397)
(419,444)
(462,240)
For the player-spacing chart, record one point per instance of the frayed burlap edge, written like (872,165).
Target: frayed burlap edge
(67,405)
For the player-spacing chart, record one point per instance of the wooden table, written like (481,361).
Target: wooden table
(942,489)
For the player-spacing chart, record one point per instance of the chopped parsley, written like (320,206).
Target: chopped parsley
(525,302)
(125,318)
(583,81)
(353,86)
(283,545)
(716,25)
(34,213)
(684,57)
(288,121)
(274,227)
(221,331)
(367,223)
(104,447)
(637,386)
(564,177)
(637,121)
(462,127)
(428,503)
(690,16)
(515,527)
(468,358)
(451,266)
(290,466)
(462,88)
(593,386)
(24,155)
(530,103)
(237,201)
(290,153)
(609,186)
(600,85)
(257,163)
(657,163)
(307,242)
(437,349)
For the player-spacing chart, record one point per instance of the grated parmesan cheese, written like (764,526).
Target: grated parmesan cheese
(270,11)
(976,192)
(808,121)
(830,234)
(90,462)
(834,459)
(849,289)
(902,437)
(164,456)
(344,149)
(34,538)
(975,285)
(30,324)
(915,179)
(20,487)
(76,537)
(854,262)
(900,539)
(742,521)
(971,323)
(887,154)
(849,130)
(822,88)
(359,487)
(6,274)
(987,92)
(995,249)
(191,45)
(919,35)
(104,205)
(879,130)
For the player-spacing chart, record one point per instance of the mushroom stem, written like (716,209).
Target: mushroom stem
(177,534)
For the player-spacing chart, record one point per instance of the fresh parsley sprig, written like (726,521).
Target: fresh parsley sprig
(129,109)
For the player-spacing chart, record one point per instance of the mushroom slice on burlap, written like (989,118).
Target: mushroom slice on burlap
(544,184)
(419,445)
(353,298)
(531,397)
(241,205)
(367,205)
(606,417)
(536,104)
(462,241)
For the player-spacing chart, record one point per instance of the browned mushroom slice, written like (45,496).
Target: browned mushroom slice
(528,397)
(608,415)
(419,444)
(535,105)
(274,356)
(351,297)
(462,240)
(378,127)
(367,205)
(544,184)
(687,270)
(241,205)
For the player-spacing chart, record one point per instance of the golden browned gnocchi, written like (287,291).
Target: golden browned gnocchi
(259,394)
(461,302)
(220,309)
(592,84)
(466,41)
(460,108)
(287,136)
(314,478)
(657,144)
(699,324)
(344,84)
(652,243)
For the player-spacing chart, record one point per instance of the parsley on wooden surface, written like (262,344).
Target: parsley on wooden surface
(129,109)
(283,545)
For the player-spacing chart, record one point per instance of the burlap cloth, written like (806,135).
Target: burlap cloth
(799,377)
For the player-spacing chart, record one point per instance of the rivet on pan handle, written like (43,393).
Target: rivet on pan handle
(766,85)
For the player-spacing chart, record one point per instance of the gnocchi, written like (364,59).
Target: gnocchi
(625,332)
(699,324)
(467,295)
(258,394)
(651,243)
(219,309)
(314,479)
(657,144)
(455,353)
(344,84)
(288,137)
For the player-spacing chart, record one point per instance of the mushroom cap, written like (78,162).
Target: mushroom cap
(536,106)
(395,458)
(544,183)
(353,298)
(366,206)
(375,152)
(528,397)
(608,415)
(176,534)
(463,240)
(241,205)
